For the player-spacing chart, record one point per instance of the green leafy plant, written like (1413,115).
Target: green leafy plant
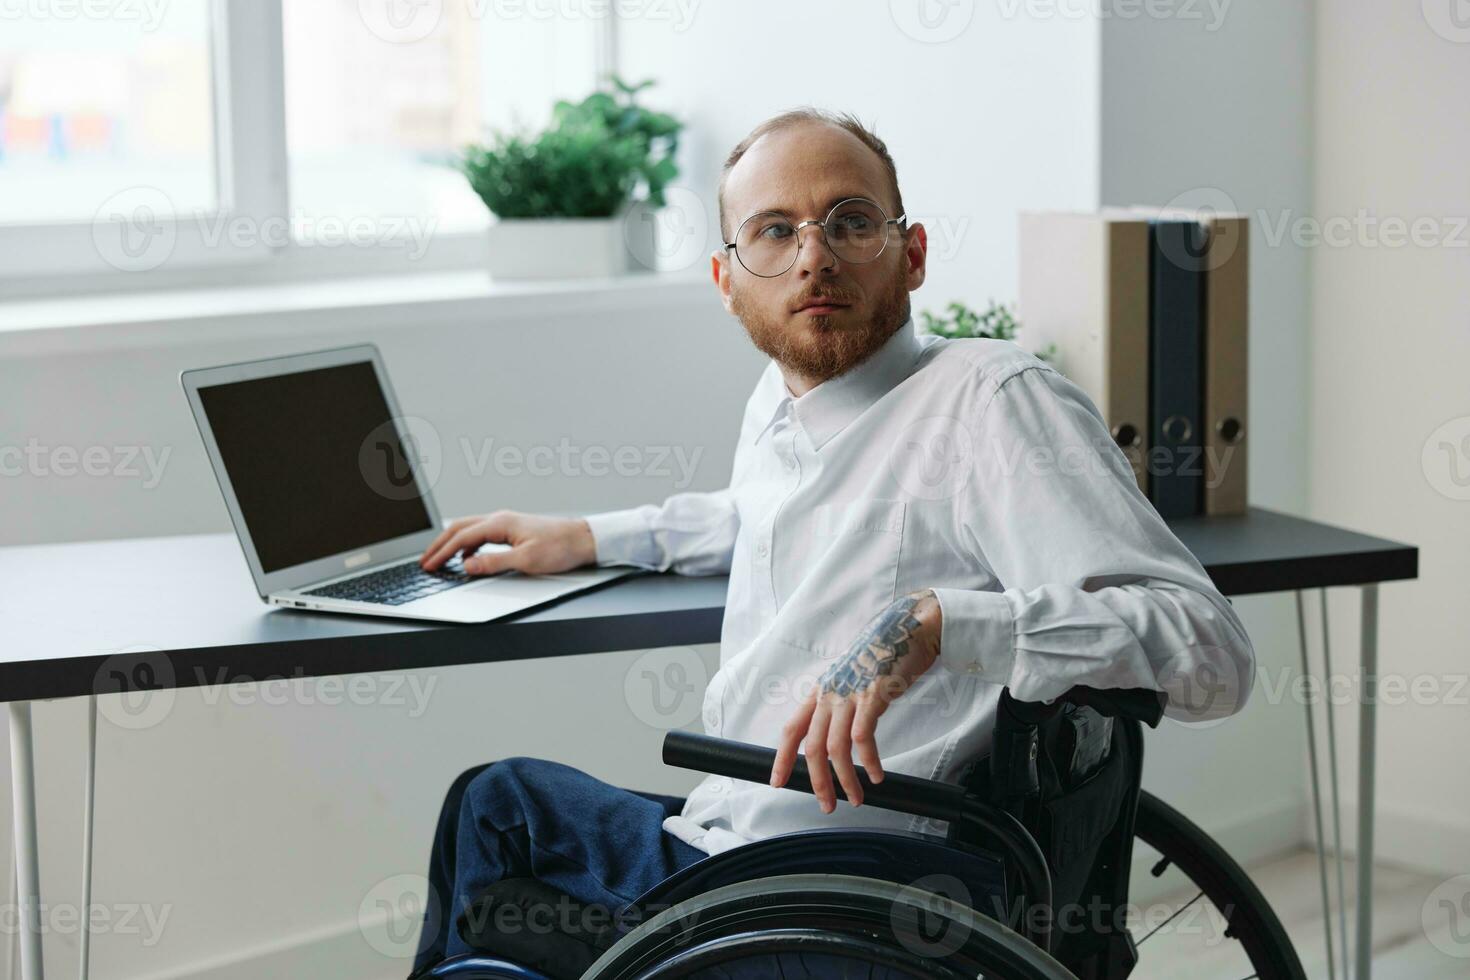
(588,163)
(621,114)
(995,322)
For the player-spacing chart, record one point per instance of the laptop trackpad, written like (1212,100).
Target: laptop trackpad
(492,597)
(511,585)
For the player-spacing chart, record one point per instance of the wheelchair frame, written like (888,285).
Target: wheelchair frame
(999,817)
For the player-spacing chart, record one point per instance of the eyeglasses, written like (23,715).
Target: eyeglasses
(855,230)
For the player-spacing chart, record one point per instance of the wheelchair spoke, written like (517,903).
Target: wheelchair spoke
(1242,936)
(1171,918)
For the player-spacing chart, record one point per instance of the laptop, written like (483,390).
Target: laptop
(328,494)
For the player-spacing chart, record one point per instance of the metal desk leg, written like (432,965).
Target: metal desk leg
(88,823)
(27,871)
(1331,712)
(1367,716)
(1301,627)
(13,959)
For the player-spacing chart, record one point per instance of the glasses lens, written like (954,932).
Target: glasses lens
(766,244)
(857,230)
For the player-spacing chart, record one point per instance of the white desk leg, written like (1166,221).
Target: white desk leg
(1367,715)
(27,871)
(1331,712)
(1301,629)
(14,945)
(90,808)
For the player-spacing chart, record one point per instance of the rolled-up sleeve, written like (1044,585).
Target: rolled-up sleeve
(1095,588)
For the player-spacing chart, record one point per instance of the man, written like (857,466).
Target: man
(912,524)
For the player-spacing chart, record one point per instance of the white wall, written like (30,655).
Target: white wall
(984,113)
(1389,345)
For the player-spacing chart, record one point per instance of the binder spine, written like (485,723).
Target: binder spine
(1227,367)
(1177,255)
(1125,367)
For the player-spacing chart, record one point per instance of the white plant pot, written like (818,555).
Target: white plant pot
(573,248)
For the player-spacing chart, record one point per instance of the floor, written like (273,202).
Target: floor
(1414,937)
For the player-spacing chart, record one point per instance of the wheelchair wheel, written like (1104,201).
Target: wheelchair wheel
(787,927)
(1242,935)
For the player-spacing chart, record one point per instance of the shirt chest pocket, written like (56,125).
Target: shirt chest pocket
(845,571)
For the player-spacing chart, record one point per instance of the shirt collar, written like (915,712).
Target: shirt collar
(828,408)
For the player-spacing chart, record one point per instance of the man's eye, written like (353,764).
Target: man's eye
(776,231)
(856,222)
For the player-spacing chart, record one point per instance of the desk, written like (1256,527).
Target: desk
(158,613)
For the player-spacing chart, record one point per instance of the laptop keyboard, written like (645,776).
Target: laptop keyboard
(396,585)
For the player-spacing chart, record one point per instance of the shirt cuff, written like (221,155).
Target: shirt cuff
(976,633)
(623,537)
(710,840)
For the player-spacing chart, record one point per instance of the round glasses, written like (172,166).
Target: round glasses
(855,230)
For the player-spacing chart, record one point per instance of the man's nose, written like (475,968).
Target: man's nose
(813,254)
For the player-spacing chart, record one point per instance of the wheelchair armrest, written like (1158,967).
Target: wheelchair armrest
(741,760)
(898,791)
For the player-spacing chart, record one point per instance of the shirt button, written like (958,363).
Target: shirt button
(761,549)
(791,464)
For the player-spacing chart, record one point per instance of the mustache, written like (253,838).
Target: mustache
(825,294)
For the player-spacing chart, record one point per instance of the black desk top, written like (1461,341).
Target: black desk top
(182,612)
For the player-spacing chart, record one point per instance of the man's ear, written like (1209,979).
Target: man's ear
(719,267)
(916,255)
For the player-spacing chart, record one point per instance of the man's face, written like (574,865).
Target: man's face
(823,315)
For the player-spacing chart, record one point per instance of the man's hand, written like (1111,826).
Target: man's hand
(538,545)
(896,646)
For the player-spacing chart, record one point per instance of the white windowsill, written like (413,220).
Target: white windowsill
(87,323)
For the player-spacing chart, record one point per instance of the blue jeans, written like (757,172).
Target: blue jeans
(525,817)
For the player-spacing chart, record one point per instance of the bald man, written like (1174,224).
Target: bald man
(912,525)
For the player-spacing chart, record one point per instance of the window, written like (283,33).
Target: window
(381,96)
(258,137)
(89,106)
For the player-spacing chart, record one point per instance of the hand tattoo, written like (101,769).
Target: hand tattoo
(876,652)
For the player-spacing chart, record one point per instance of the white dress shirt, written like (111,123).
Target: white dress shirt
(967,466)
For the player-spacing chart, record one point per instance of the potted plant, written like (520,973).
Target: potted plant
(997,322)
(577,198)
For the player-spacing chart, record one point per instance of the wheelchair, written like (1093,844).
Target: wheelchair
(1030,881)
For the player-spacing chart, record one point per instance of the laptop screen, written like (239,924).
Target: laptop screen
(316,464)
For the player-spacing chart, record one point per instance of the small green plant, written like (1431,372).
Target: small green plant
(620,113)
(996,322)
(588,163)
